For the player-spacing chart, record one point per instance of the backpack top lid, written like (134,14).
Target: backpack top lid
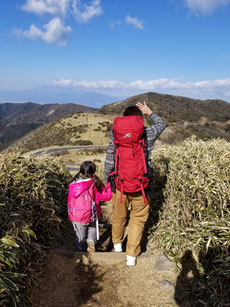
(128,129)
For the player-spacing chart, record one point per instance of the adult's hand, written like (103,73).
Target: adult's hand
(144,108)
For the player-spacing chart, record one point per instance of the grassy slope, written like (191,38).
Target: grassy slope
(17,120)
(77,129)
(184,116)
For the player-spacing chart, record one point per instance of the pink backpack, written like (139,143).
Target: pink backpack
(79,208)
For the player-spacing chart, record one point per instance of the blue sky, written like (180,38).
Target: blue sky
(117,47)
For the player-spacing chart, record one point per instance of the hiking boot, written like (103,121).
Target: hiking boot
(131,260)
(117,248)
(91,247)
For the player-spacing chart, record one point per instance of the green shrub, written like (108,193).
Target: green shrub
(96,160)
(97,129)
(32,208)
(83,142)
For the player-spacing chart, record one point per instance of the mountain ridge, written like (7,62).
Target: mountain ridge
(58,94)
(184,117)
(18,119)
(186,108)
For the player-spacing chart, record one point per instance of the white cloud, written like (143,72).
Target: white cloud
(162,83)
(202,89)
(205,6)
(83,12)
(52,7)
(134,22)
(54,32)
(88,84)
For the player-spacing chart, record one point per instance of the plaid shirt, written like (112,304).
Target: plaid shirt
(152,133)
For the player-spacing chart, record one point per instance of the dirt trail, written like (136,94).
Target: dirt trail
(72,279)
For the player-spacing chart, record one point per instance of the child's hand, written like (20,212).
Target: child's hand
(144,108)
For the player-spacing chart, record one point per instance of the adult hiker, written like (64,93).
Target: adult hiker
(86,190)
(127,163)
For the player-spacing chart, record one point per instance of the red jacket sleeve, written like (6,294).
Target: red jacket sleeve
(105,195)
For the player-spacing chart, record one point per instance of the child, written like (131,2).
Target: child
(86,190)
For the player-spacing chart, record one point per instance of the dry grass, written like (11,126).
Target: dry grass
(196,210)
(77,129)
(196,194)
(33,193)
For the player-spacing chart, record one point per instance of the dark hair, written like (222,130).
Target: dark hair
(88,170)
(132,111)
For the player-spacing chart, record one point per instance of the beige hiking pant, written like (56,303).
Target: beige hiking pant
(139,213)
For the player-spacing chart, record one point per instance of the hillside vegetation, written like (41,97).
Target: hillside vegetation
(18,119)
(189,218)
(194,222)
(32,209)
(176,108)
(77,129)
(184,116)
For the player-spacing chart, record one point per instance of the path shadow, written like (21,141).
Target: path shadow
(88,278)
(155,196)
(67,279)
(105,243)
(207,286)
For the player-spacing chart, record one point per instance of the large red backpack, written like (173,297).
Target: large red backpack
(130,161)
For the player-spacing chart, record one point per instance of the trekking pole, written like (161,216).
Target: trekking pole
(97,228)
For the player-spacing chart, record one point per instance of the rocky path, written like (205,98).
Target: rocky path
(71,279)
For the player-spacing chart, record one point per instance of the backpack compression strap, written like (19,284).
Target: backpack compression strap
(143,145)
(142,190)
(116,173)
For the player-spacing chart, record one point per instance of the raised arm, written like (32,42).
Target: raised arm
(154,131)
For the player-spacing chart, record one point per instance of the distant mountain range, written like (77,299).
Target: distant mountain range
(184,117)
(58,94)
(18,119)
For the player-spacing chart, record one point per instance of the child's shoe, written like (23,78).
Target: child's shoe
(80,246)
(118,248)
(131,260)
(91,247)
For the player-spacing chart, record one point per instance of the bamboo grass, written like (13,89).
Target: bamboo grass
(196,210)
(32,208)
